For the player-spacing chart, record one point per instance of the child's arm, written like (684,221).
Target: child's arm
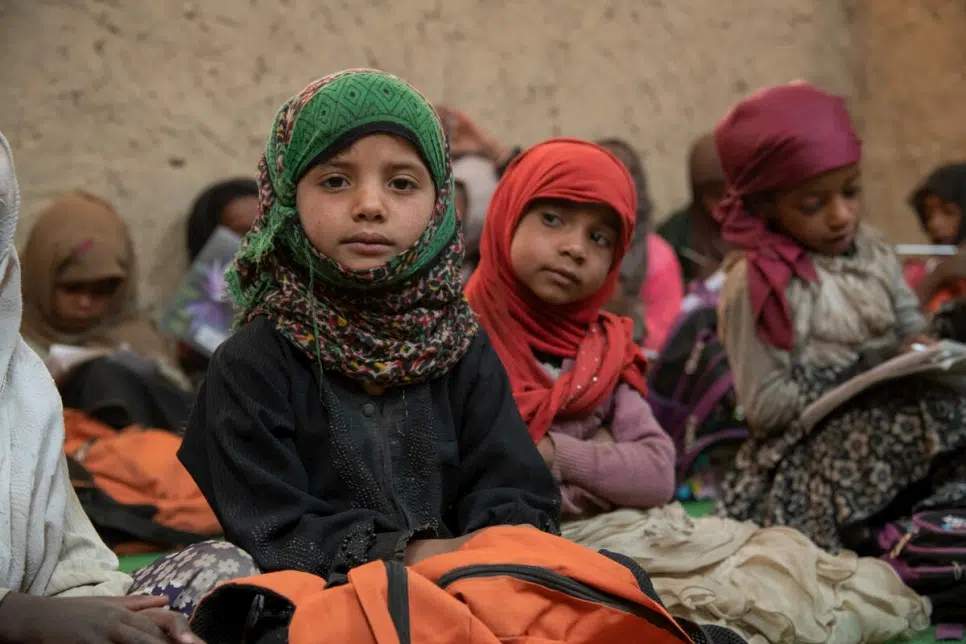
(240,449)
(635,469)
(86,567)
(503,479)
(908,313)
(770,396)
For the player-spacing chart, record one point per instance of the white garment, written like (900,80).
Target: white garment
(47,544)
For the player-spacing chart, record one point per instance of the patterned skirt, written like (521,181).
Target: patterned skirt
(896,448)
(185,577)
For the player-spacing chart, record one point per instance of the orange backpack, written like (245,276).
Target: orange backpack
(133,487)
(507,584)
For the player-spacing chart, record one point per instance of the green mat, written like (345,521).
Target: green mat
(695,509)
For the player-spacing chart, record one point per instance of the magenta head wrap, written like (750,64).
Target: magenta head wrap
(774,139)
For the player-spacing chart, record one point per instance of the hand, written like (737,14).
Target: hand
(467,137)
(421,549)
(24,618)
(603,435)
(916,339)
(952,268)
(547,450)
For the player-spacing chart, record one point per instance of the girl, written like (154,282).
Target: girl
(232,203)
(560,221)
(815,298)
(939,203)
(358,413)
(79,290)
(52,563)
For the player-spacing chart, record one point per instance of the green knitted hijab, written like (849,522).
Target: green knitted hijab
(405,321)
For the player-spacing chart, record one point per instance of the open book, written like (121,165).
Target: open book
(201,312)
(62,358)
(944,362)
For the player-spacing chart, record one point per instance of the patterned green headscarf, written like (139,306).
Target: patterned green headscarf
(403,322)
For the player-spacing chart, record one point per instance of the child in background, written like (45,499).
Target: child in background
(359,413)
(80,291)
(559,223)
(939,204)
(815,298)
(475,181)
(232,203)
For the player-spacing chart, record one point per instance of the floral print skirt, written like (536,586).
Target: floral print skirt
(897,447)
(185,577)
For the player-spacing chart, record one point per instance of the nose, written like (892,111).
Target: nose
(841,212)
(369,204)
(84,301)
(573,245)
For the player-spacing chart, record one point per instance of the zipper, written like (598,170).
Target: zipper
(562,583)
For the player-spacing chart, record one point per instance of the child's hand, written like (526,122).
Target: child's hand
(467,137)
(24,618)
(421,549)
(603,435)
(547,450)
(915,339)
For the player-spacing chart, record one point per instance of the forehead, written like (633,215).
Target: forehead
(829,181)
(380,143)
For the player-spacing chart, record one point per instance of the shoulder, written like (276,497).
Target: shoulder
(735,285)
(479,356)
(256,345)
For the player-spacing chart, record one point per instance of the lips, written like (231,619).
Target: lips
(563,276)
(369,238)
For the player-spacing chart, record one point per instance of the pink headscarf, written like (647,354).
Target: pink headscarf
(776,138)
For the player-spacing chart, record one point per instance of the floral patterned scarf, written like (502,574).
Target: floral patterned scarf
(400,323)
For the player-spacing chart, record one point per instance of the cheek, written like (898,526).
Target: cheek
(316,211)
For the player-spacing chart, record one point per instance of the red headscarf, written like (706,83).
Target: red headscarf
(773,139)
(519,323)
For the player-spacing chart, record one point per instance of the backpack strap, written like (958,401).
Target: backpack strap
(398,578)
(382,589)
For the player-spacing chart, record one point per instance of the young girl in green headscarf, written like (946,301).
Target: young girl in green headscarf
(359,412)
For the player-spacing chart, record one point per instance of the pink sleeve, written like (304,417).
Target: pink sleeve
(636,470)
(915,272)
(662,292)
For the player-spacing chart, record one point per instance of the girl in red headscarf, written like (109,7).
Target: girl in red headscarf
(813,299)
(559,223)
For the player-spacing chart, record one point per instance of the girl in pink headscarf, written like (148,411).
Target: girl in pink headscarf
(813,298)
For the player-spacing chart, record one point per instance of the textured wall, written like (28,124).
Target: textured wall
(147,101)
(910,93)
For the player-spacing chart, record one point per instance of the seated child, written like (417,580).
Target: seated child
(559,223)
(814,298)
(58,581)
(79,290)
(939,204)
(358,413)
(232,203)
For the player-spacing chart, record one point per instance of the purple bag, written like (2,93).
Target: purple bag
(692,394)
(928,551)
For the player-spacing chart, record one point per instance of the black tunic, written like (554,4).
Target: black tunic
(308,472)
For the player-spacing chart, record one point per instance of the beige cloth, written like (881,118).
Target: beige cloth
(82,238)
(766,584)
(860,303)
(47,544)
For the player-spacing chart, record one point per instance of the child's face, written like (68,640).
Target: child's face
(823,212)
(80,306)
(239,215)
(942,219)
(563,251)
(367,204)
